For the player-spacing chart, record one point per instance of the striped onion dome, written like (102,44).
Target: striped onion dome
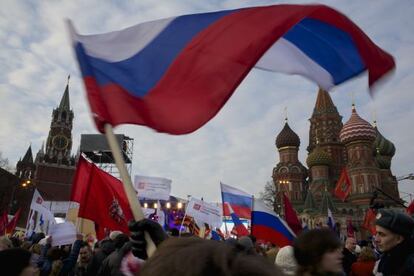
(287,137)
(318,157)
(357,129)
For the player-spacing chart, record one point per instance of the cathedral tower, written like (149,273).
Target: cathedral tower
(358,136)
(318,162)
(289,175)
(25,168)
(325,125)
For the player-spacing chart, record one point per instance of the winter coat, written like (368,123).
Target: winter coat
(361,268)
(397,261)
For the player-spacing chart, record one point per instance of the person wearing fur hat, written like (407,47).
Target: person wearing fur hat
(394,239)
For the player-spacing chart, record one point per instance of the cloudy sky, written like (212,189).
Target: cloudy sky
(235,147)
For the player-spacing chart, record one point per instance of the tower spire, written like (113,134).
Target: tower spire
(353,101)
(28,157)
(286,116)
(64,102)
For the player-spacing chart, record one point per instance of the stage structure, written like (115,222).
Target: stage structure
(96,148)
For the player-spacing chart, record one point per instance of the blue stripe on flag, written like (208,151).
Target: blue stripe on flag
(239,200)
(321,41)
(148,66)
(266,219)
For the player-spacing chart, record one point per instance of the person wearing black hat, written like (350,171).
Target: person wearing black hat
(394,239)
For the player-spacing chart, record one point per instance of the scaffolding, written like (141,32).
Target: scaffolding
(96,148)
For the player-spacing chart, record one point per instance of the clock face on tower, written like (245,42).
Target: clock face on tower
(60,142)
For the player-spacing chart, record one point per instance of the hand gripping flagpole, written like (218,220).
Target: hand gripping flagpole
(126,181)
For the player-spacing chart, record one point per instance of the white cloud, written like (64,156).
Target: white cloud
(237,146)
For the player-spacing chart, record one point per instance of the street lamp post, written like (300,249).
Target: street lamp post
(24,183)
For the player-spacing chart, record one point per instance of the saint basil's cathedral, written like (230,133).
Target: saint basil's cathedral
(357,146)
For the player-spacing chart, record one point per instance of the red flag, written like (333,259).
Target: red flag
(4,220)
(350,228)
(369,221)
(410,208)
(291,217)
(13,222)
(82,176)
(101,197)
(343,186)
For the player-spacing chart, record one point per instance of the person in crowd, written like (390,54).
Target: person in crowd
(16,262)
(105,247)
(52,258)
(349,254)
(206,257)
(245,244)
(318,252)
(16,242)
(36,250)
(285,260)
(111,265)
(138,243)
(85,255)
(271,252)
(5,243)
(56,268)
(394,239)
(365,263)
(37,237)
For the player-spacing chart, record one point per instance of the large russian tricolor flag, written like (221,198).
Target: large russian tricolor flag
(175,74)
(241,202)
(268,226)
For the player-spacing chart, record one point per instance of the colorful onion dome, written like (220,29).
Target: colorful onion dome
(357,129)
(287,137)
(383,162)
(318,157)
(383,146)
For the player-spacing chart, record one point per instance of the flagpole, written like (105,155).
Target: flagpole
(222,205)
(28,220)
(182,222)
(126,181)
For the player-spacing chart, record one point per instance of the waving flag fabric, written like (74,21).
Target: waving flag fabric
(291,216)
(175,74)
(330,221)
(240,201)
(102,198)
(13,222)
(4,220)
(343,186)
(268,226)
(241,230)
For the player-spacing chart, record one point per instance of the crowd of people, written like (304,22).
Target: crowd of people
(314,252)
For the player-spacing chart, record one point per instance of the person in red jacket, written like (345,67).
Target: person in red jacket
(365,263)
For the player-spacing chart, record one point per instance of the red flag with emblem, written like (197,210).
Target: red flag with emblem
(343,186)
(102,200)
(369,221)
